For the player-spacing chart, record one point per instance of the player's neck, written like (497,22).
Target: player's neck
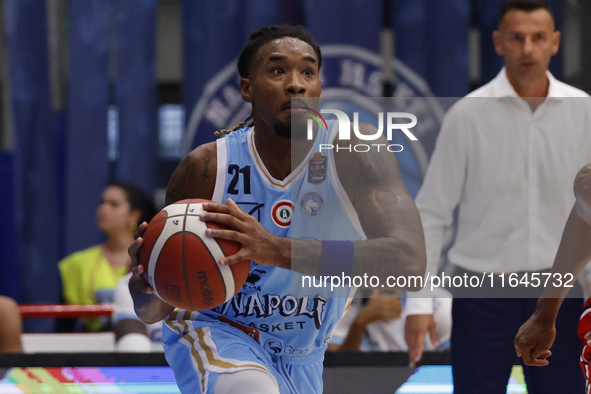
(280,155)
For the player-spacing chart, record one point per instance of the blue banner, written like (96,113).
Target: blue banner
(136,92)
(259,13)
(87,164)
(354,22)
(409,21)
(208,52)
(9,284)
(448,24)
(432,45)
(35,162)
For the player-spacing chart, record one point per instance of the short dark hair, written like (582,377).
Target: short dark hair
(137,199)
(523,5)
(266,34)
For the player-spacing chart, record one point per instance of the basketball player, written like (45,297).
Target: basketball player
(536,336)
(268,339)
(506,158)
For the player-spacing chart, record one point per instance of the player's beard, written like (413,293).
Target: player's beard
(295,130)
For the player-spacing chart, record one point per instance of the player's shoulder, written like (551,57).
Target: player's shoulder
(195,175)
(200,162)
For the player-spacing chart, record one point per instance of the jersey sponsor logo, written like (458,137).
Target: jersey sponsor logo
(317,168)
(273,346)
(266,305)
(289,350)
(282,212)
(312,204)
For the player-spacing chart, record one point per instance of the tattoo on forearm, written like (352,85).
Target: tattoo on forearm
(205,173)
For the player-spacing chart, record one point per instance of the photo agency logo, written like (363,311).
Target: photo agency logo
(344,130)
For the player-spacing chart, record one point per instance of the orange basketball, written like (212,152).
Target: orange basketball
(180,262)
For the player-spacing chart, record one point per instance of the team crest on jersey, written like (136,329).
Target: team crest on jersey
(312,204)
(282,212)
(317,168)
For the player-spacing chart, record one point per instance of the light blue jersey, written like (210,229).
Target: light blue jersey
(290,325)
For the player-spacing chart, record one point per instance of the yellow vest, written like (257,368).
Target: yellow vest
(87,279)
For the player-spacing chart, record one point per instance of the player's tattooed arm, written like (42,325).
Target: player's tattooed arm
(195,175)
(387,212)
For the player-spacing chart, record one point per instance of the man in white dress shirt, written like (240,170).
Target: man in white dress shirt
(506,156)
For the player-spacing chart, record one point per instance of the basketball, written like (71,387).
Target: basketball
(180,262)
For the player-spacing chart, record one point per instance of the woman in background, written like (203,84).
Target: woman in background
(89,276)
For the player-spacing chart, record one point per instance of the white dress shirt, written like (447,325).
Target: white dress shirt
(510,172)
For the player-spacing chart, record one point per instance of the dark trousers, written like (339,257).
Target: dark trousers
(482,350)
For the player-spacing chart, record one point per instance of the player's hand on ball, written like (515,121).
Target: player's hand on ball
(256,242)
(137,281)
